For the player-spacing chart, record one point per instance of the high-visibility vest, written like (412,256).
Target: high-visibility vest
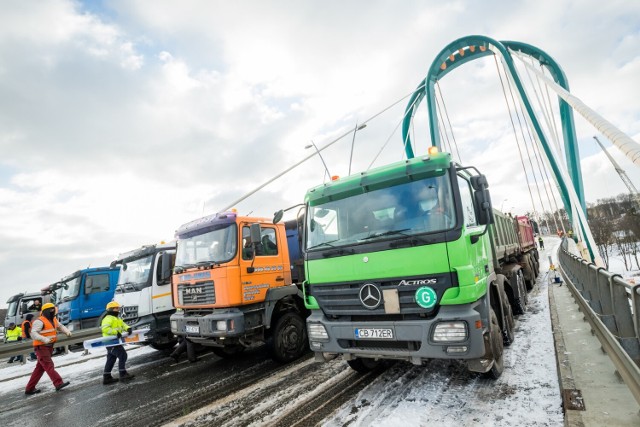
(13,334)
(48,330)
(24,328)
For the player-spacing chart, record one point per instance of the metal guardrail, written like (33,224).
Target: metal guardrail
(612,307)
(26,347)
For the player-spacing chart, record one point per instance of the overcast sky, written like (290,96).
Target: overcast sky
(122,120)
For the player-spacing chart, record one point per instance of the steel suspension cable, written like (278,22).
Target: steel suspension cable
(315,153)
(543,167)
(547,120)
(515,134)
(533,171)
(395,129)
(443,126)
(449,121)
(551,126)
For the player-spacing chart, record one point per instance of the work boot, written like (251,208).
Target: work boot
(63,385)
(108,379)
(30,392)
(126,376)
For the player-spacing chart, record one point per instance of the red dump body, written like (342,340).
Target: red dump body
(525,233)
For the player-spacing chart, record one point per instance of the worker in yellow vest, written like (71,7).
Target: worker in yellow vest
(44,332)
(13,334)
(112,325)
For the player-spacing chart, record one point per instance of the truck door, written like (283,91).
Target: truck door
(161,286)
(99,289)
(478,252)
(268,268)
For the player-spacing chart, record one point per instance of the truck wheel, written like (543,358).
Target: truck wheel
(497,347)
(228,351)
(520,302)
(363,365)
(165,345)
(508,322)
(289,338)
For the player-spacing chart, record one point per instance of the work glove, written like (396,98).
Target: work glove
(69,333)
(119,335)
(47,340)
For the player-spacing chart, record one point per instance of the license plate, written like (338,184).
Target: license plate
(374,333)
(134,338)
(191,329)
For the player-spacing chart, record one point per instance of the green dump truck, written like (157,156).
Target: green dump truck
(410,262)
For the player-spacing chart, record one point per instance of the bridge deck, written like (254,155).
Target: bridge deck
(584,366)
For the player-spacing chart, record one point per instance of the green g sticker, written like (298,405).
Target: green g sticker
(426,297)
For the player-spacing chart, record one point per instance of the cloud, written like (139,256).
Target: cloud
(119,122)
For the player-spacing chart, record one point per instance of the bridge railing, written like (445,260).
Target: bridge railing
(25,347)
(612,307)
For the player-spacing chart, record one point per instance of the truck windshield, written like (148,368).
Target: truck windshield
(218,244)
(137,272)
(70,289)
(12,309)
(417,207)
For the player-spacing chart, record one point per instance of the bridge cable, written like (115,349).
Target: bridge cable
(443,129)
(546,107)
(536,149)
(513,126)
(519,111)
(395,130)
(315,153)
(449,121)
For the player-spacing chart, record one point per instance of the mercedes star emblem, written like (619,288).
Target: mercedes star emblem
(370,296)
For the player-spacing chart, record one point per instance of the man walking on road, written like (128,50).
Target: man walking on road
(112,325)
(44,334)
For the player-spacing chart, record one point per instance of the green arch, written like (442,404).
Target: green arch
(474,47)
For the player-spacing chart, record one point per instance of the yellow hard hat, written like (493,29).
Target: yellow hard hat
(113,304)
(47,305)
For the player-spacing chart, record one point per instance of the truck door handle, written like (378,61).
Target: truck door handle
(279,279)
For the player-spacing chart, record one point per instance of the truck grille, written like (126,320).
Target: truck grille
(407,346)
(64,317)
(129,312)
(197,294)
(343,299)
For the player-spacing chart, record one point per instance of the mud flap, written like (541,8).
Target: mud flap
(484,363)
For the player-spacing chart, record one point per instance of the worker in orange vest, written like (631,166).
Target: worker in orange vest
(44,334)
(26,333)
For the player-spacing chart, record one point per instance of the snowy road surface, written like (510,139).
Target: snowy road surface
(253,390)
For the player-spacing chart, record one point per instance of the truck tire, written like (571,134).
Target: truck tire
(165,345)
(228,351)
(508,322)
(288,340)
(497,347)
(363,366)
(521,302)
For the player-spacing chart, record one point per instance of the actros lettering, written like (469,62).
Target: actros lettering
(418,282)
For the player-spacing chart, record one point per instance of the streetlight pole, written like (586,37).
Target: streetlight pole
(321,158)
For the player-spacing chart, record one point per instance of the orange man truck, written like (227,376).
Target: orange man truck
(235,285)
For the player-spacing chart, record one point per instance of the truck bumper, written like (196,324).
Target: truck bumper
(227,323)
(159,328)
(413,340)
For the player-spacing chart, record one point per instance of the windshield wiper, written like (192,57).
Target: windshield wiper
(329,243)
(388,233)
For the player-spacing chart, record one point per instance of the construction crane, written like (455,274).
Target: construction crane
(623,175)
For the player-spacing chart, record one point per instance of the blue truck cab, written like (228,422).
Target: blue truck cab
(83,296)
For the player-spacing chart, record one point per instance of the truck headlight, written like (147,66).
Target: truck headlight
(174,326)
(221,325)
(450,332)
(317,332)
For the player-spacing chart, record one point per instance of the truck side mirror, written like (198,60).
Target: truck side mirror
(255,235)
(277,217)
(482,200)
(164,269)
